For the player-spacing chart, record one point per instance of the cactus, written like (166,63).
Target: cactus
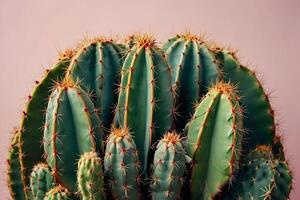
(97,67)
(41,181)
(168,168)
(261,178)
(214,140)
(194,69)
(121,165)
(154,107)
(254,100)
(31,130)
(71,129)
(15,178)
(90,177)
(58,193)
(145,93)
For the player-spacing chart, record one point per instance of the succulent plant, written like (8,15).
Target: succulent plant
(96,68)
(121,165)
(261,177)
(145,93)
(168,168)
(185,121)
(90,177)
(72,128)
(194,69)
(214,135)
(41,181)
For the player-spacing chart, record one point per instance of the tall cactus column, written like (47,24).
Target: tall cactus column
(214,141)
(72,128)
(97,67)
(145,103)
(31,128)
(194,69)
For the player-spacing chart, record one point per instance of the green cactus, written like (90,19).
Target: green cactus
(31,151)
(58,193)
(71,129)
(97,67)
(254,100)
(15,178)
(90,177)
(262,178)
(145,93)
(41,181)
(194,69)
(168,168)
(214,140)
(142,106)
(121,165)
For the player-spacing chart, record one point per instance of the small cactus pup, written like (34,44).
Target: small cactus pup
(121,165)
(194,69)
(168,168)
(97,68)
(259,116)
(58,193)
(15,178)
(41,181)
(32,122)
(72,128)
(262,177)
(145,94)
(90,177)
(214,141)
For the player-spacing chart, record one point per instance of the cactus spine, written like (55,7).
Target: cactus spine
(145,93)
(71,129)
(194,69)
(58,193)
(15,178)
(214,140)
(41,181)
(168,168)
(121,165)
(90,177)
(96,67)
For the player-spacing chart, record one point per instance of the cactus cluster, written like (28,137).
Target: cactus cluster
(140,121)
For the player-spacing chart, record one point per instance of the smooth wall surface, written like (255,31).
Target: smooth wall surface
(266,32)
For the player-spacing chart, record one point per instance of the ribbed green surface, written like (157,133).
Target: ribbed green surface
(261,179)
(41,181)
(121,165)
(194,69)
(58,193)
(214,139)
(96,67)
(15,180)
(72,128)
(168,168)
(90,177)
(146,95)
(259,116)
(32,123)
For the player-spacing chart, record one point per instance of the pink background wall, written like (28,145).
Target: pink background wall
(266,32)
